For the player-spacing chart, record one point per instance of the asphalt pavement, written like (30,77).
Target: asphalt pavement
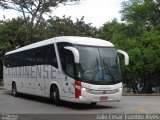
(34,107)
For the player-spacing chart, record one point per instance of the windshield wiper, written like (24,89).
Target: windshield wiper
(107,67)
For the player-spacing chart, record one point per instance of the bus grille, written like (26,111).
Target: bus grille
(100,92)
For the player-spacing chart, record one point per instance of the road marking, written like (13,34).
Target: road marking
(141,108)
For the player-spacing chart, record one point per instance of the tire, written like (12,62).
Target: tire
(52,95)
(93,103)
(14,90)
(55,96)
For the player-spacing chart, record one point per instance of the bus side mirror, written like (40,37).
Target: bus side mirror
(75,53)
(126,57)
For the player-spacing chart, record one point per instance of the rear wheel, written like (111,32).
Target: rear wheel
(52,95)
(55,96)
(14,90)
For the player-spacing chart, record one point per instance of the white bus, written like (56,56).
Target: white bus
(69,68)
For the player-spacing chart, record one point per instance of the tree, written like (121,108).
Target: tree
(143,47)
(66,27)
(34,8)
(151,59)
(123,37)
(33,12)
(145,13)
(12,31)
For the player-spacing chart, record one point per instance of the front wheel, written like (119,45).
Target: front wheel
(93,103)
(14,90)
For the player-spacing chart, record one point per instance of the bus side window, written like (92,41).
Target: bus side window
(7,61)
(51,58)
(40,54)
(15,60)
(30,57)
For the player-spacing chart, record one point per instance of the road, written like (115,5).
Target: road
(26,104)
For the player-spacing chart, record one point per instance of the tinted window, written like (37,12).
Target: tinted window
(40,55)
(7,60)
(51,58)
(36,56)
(67,59)
(29,57)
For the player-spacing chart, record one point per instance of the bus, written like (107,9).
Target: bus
(67,68)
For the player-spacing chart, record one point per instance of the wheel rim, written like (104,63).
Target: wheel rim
(14,89)
(54,95)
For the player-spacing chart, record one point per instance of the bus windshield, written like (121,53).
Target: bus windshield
(98,65)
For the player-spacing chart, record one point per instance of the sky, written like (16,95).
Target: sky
(96,12)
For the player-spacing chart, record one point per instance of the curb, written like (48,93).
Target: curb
(141,95)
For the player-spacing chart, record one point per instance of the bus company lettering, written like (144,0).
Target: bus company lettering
(40,71)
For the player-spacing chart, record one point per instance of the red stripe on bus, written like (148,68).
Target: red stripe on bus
(77,91)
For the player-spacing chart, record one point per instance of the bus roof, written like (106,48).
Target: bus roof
(70,39)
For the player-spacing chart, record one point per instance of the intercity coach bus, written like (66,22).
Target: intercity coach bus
(68,68)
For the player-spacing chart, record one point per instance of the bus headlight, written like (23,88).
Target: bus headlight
(80,97)
(84,89)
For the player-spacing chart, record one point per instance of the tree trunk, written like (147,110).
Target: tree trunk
(133,87)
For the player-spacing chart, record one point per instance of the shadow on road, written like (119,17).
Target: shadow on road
(76,106)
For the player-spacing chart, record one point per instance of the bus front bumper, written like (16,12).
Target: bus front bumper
(89,97)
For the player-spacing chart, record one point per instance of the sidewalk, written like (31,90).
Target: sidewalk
(131,94)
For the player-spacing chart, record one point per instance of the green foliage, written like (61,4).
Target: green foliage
(16,32)
(66,27)
(34,8)
(140,41)
(32,23)
(145,13)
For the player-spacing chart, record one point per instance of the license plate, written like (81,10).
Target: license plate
(103,98)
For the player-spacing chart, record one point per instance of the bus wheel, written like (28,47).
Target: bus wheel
(93,103)
(56,96)
(14,90)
